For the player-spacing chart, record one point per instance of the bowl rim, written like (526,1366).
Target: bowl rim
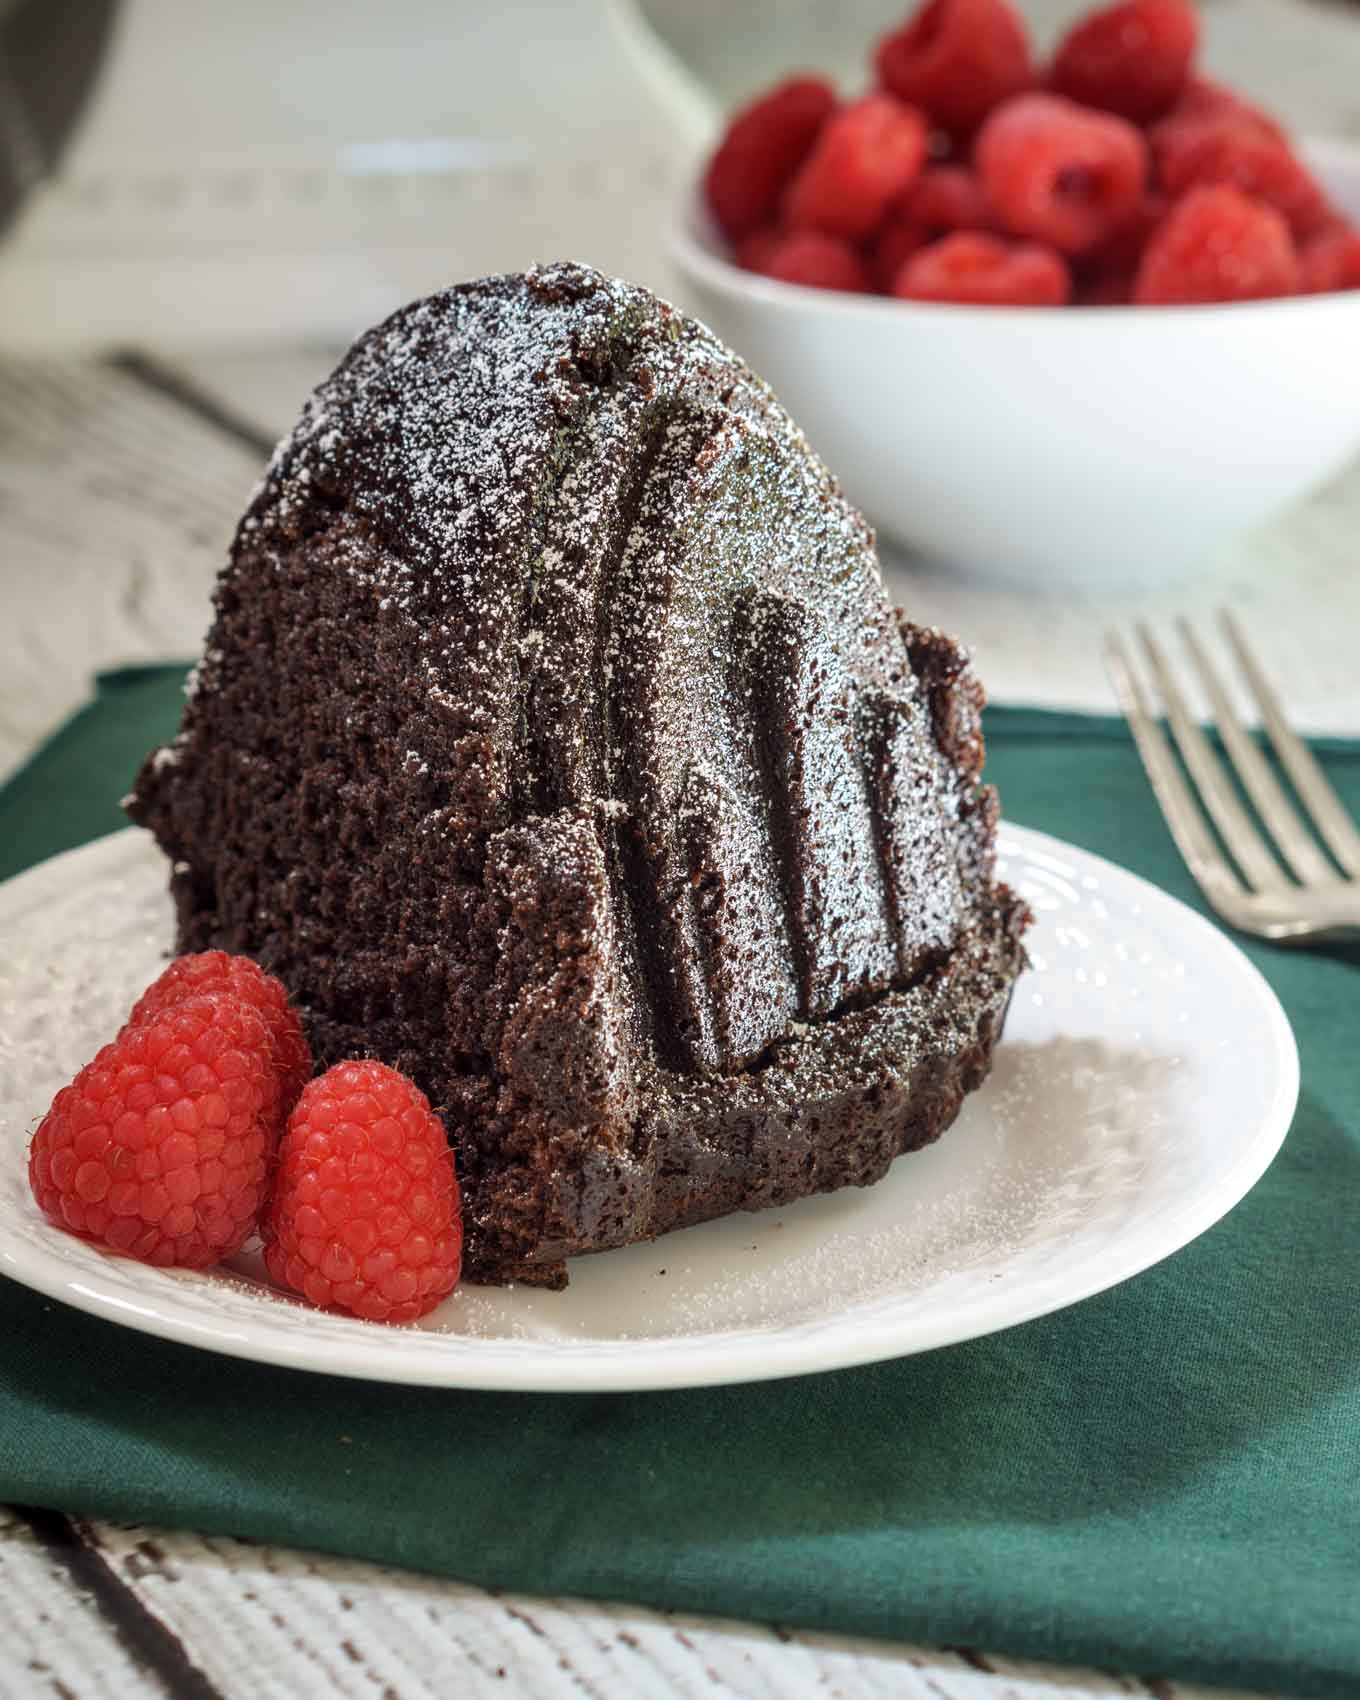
(696,246)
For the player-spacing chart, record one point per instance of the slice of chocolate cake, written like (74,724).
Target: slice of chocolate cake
(556,744)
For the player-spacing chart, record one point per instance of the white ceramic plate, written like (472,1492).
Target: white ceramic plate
(1147,1078)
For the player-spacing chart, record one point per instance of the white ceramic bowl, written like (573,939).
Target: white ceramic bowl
(1101,447)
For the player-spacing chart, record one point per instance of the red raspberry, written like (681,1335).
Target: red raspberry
(1131,58)
(756,249)
(1331,260)
(817,261)
(1227,150)
(894,245)
(958,59)
(764,145)
(215,971)
(1217,244)
(159,1148)
(985,270)
(1120,254)
(945,198)
(365,1214)
(1201,98)
(863,159)
(1059,172)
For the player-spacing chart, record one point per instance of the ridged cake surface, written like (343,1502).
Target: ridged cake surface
(556,743)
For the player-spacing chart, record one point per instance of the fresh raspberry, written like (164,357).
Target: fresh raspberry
(985,270)
(1331,260)
(764,145)
(957,59)
(1061,173)
(1225,150)
(1131,58)
(1217,244)
(755,250)
(1201,98)
(862,161)
(894,245)
(1120,253)
(817,261)
(945,198)
(215,971)
(365,1214)
(159,1148)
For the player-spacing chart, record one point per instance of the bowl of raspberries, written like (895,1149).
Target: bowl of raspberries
(1072,323)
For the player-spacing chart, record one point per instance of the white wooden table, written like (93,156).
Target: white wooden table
(119,485)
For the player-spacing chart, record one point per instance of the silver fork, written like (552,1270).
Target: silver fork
(1257,894)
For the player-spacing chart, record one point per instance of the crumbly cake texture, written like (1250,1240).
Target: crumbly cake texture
(556,744)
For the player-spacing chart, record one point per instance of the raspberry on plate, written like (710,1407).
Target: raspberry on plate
(1061,173)
(972,266)
(1227,150)
(862,161)
(1131,58)
(957,59)
(159,1148)
(1217,244)
(816,260)
(216,971)
(763,147)
(1330,261)
(365,1214)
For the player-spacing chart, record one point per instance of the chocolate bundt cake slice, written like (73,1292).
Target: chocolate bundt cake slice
(556,744)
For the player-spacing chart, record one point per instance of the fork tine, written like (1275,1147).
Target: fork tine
(1244,843)
(1280,816)
(1328,812)
(1204,859)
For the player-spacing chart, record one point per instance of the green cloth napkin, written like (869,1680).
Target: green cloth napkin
(1164,1479)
